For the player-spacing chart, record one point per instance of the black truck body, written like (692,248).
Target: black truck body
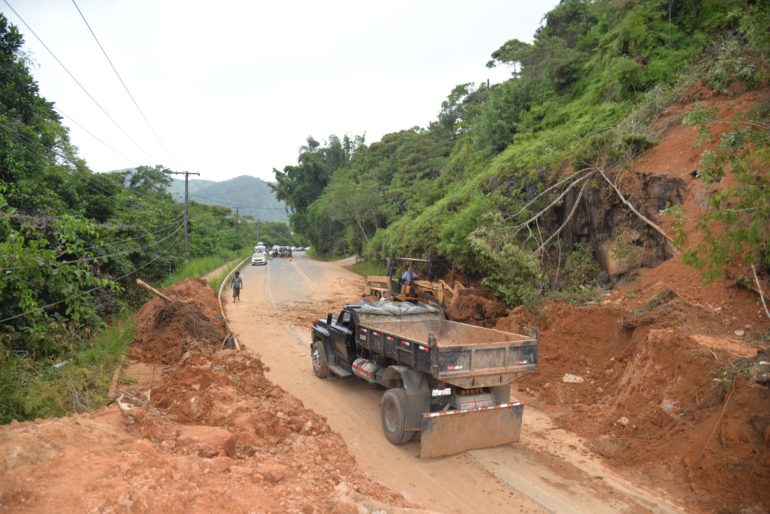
(448,381)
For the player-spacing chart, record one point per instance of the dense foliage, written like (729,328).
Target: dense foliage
(582,96)
(72,241)
(737,221)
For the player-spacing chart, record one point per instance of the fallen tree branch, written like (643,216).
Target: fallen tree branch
(639,214)
(548,207)
(567,220)
(153,290)
(759,289)
(546,190)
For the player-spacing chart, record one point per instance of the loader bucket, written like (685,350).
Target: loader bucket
(450,432)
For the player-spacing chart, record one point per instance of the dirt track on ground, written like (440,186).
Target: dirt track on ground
(551,470)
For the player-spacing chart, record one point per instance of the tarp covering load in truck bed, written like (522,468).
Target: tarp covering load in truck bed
(397,308)
(417,321)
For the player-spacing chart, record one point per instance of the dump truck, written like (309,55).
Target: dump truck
(449,382)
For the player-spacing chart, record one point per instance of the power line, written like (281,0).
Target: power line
(93,135)
(81,293)
(77,81)
(98,257)
(29,142)
(45,219)
(224,203)
(155,133)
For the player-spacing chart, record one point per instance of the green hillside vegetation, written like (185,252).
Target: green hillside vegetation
(249,195)
(483,189)
(72,242)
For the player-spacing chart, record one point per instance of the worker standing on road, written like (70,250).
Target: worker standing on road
(290,253)
(237,286)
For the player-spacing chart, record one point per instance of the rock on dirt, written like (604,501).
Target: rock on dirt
(475,310)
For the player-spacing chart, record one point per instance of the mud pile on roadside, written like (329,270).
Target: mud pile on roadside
(654,397)
(214,436)
(165,330)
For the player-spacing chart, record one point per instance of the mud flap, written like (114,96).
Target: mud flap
(450,432)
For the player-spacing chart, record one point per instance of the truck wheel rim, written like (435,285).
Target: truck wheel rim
(316,358)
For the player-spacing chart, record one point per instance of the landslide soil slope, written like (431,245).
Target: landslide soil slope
(213,435)
(666,363)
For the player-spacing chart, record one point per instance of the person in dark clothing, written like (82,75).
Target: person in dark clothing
(237,286)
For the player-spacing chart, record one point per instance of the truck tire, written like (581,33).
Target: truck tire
(318,357)
(393,408)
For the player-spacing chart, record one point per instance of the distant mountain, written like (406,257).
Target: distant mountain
(250,195)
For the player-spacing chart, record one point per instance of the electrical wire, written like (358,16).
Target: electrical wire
(38,146)
(224,203)
(115,254)
(29,142)
(122,82)
(81,293)
(77,81)
(37,217)
(117,152)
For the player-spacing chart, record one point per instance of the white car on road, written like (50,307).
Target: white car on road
(259,259)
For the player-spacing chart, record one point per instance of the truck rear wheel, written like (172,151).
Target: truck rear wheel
(318,356)
(393,408)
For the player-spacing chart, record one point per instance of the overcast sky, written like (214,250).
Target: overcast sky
(236,87)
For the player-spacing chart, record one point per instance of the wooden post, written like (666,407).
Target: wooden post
(153,290)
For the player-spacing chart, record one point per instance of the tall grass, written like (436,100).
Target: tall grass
(366,268)
(202,265)
(78,383)
(315,254)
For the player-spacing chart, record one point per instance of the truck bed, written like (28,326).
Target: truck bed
(456,353)
(447,333)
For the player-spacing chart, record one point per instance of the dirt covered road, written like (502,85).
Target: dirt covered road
(551,470)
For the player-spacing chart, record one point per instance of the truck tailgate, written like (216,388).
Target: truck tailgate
(485,365)
(450,432)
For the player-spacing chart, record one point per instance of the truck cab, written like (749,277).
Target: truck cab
(343,335)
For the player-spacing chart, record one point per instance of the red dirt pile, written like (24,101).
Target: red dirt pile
(164,330)
(214,436)
(658,400)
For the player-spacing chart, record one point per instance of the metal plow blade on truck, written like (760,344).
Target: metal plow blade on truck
(450,432)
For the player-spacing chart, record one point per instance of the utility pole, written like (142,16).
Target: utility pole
(186,209)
